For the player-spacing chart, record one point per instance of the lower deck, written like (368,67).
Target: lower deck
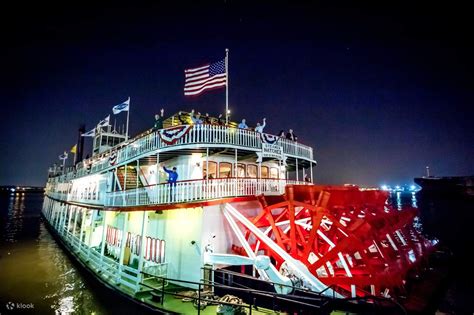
(152,279)
(153,292)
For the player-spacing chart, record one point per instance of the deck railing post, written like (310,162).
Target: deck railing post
(76,212)
(82,230)
(94,216)
(102,248)
(199,298)
(141,250)
(122,245)
(138,179)
(162,290)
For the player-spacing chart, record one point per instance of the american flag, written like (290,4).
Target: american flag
(207,77)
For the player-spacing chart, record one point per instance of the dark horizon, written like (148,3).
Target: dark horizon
(379,91)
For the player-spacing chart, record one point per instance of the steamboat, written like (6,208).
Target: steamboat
(240,231)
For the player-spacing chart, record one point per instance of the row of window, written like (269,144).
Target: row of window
(226,169)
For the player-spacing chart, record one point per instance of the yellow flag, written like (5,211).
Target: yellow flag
(74,149)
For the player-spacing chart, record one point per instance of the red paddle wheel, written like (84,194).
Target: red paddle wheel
(350,239)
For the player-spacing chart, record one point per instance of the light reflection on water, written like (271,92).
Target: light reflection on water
(34,269)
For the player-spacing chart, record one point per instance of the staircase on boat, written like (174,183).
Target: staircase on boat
(131,180)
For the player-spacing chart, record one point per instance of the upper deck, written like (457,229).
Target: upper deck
(195,137)
(102,179)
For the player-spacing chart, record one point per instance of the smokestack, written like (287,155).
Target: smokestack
(80,143)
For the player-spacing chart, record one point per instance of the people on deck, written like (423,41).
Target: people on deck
(259,127)
(282,134)
(243,125)
(207,119)
(291,135)
(220,120)
(159,118)
(172,178)
(172,175)
(210,176)
(196,118)
(181,118)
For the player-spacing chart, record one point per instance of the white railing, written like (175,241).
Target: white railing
(110,270)
(88,198)
(57,195)
(199,134)
(196,190)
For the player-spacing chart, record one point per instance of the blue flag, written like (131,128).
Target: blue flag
(121,107)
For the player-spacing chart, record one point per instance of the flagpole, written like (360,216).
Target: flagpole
(128,113)
(64,157)
(227,86)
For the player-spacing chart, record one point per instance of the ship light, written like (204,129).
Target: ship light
(384,187)
(412,187)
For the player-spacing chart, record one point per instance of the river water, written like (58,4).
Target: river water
(37,277)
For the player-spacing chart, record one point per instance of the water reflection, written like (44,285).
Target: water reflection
(34,269)
(399,200)
(413,200)
(14,222)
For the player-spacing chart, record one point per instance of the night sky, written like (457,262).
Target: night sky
(379,92)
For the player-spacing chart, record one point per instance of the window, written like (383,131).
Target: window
(274,172)
(212,170)
(264,171)
(225,170)
(252,170)
(240,170)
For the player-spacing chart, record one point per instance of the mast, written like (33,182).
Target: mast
(128,113)
(227,86)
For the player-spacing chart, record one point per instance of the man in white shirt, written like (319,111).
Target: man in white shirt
(259,127)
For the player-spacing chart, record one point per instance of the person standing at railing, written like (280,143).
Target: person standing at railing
(207,119)
(172,178)
(291,136)
(259,127)
(181,118)
(220,120)
(243,125)
(159,118)
(196,118)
